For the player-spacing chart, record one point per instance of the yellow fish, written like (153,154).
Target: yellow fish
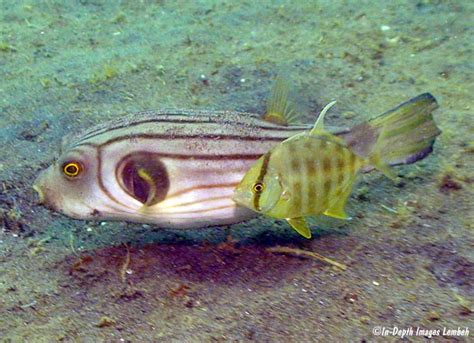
(310,173)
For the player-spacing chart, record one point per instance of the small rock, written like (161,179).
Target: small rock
(105,321)
(351,297)
(449,184)
(433,316)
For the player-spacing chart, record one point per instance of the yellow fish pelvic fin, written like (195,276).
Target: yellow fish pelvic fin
(300,226)
(319,125)
(280,110)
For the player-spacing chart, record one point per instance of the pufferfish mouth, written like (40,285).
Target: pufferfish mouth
(43,191)
(40,188)
(40,194)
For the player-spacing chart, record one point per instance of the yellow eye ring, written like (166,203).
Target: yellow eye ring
(72,169)
(258,187)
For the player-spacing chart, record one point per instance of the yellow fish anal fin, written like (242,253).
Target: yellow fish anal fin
(337,210)
(319,125)
(299,224)
(279,108)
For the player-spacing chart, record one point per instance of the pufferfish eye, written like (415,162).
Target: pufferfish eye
(258,187)
(72,169)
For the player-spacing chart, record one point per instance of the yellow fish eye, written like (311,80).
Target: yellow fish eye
(258,187)
(72,169)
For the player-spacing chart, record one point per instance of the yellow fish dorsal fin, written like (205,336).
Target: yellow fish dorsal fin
(299,224)
(319,125)
(279,108)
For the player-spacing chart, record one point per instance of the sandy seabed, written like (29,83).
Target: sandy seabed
(409,248)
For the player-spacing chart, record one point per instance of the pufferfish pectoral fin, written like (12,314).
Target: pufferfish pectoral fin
(148,179)
(299,224)
(280,110)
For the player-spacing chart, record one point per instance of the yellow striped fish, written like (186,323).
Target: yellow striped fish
(178,169)
(312,173)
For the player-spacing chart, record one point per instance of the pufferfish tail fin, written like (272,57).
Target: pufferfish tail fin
(280,110)
(403,135)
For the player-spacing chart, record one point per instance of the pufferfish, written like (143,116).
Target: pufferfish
(310,173)
(179,168)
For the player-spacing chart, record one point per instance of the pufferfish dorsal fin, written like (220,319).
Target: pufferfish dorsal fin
(299,224)
(319,125)
(280,110)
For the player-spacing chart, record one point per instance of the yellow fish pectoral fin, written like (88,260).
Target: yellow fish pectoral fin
(299,224)
(280,110)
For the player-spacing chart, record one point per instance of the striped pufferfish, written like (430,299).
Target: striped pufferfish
(179,169)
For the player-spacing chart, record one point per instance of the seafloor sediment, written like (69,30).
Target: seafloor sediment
(408,248)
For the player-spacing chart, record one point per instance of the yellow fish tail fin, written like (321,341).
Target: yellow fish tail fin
(407,132)
(376,161)
(280,110)
(300,226)
(403,135)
